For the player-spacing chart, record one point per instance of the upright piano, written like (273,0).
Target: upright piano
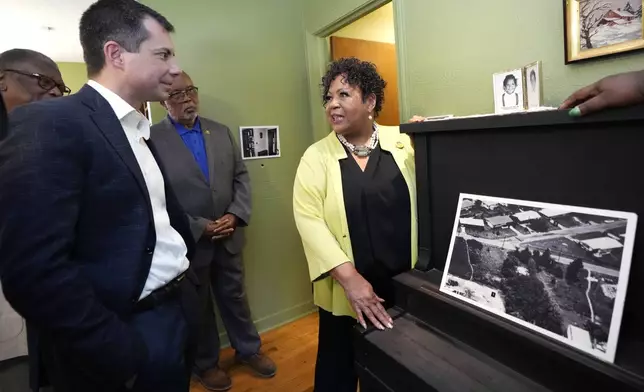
(441,343)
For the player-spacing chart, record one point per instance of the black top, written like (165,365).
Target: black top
(379,219)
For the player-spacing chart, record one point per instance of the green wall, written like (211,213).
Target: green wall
(247,59)
(74,75)
(320,13)
(451,49)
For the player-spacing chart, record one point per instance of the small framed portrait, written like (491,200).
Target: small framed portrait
(533,86)
(598,28)
(508,91)
(260,141)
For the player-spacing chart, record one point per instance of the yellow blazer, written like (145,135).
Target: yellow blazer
(320,216)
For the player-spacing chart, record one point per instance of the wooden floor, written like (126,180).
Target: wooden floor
(293,347)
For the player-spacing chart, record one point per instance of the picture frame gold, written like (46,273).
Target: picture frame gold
(533,100)
(596,23)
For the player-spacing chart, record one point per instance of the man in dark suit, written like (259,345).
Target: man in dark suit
(212,184)
(94,244)
(25,76)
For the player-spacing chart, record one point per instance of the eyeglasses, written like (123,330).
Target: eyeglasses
(178,95)
(45,82)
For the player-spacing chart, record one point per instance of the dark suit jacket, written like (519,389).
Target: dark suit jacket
(227,191)
(3,119)
(77,231)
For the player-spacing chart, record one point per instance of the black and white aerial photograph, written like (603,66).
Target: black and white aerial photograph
(260,142)
(561,271)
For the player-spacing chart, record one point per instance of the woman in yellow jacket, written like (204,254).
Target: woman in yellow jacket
(354,202)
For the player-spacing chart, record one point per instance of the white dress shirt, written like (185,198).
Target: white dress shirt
(169,258)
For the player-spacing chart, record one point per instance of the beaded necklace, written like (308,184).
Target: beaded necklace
(362,151)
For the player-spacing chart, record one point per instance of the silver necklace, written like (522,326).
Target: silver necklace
(361,151)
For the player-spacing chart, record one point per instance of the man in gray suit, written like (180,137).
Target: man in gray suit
(210,179)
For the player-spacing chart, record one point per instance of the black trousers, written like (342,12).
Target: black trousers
(334,369)
(225,278)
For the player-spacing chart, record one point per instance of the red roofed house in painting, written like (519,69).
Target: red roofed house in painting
(616,17)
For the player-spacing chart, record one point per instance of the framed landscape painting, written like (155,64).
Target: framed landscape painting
(560,271)
(596,28)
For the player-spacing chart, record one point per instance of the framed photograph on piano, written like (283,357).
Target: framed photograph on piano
(560,271)
(508,89)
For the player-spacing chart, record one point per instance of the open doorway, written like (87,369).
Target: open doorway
(372,38)
(272,142)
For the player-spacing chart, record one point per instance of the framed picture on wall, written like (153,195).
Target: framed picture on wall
(260,141)
(508,91)
(597,28)
(534,89)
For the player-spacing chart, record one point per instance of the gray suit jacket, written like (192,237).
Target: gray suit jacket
(228,189)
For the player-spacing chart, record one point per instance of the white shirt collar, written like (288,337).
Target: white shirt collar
(123,110)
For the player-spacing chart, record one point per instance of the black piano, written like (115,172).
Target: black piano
(441,343)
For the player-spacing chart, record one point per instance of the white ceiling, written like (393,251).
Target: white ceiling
(25,25)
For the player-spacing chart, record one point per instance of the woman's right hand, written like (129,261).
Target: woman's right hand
(362,298)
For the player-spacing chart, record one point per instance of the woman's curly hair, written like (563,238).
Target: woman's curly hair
(358,73)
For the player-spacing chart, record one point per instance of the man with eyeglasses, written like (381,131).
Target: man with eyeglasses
(205,168)
(28,76)
(25,76)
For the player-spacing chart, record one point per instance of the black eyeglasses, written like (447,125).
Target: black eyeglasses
(178,95)
(45,82)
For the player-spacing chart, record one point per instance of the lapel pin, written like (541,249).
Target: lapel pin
(400,145)
(207,132)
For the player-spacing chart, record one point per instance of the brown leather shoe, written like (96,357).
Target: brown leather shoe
(215,380)
(261,364)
